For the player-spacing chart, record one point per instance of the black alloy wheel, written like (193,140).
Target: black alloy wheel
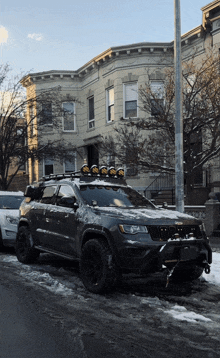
(97,269)
(23,248)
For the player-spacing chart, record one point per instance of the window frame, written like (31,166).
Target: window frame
(125,85)
(75,164)
(157,99)
(91,121)
(49,116)
(110,106)
(44,165)
(74,117)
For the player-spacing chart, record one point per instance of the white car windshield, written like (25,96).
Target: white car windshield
(10,202)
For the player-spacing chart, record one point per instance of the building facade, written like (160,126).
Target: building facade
(106,89)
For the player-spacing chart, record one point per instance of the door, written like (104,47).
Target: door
(63,223)
(42,210)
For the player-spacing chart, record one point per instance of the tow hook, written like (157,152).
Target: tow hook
(170,272)
(207,268)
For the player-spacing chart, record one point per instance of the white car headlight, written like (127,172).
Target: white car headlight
(12,220)
(133,229)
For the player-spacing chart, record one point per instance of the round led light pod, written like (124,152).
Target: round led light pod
(85,169)
(112,172)
(120,173)
(103,171)
(94,170)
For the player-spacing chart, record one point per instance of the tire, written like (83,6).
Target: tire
(23,249)
(98,272)
(190,273)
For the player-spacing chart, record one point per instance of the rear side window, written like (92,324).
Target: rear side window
(49,194)
(65,191)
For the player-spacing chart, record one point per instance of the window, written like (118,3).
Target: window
(131,161)
(65,191)
(157,102)
(91,113)
(48,166)
(31,120)
(111,160)
(46,114)
(70,165)
(130,100)
(68,116)
(48,194)
(110,105)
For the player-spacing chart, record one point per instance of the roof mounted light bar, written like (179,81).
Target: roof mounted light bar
(94,171)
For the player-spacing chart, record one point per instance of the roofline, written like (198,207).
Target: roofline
(111,52)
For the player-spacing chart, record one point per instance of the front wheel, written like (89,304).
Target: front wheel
(97,269)
(23,247)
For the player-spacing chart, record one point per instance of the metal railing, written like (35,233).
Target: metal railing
(164,181)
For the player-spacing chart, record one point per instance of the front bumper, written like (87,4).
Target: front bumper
(9,236)
(152,257)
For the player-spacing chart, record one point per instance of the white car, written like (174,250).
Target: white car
(9,216)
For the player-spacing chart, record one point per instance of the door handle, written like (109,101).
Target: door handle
(47,220)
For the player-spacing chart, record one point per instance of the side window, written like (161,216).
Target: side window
(91,112)
(70,166)
(110,104)
(157,101)
(68,116)
(65,191)
(48,166)
(49,194)
(130,100)
(46,114)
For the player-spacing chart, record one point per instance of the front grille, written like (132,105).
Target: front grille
(163,232)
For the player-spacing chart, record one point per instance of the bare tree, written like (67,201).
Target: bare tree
(151,140)
(21,121)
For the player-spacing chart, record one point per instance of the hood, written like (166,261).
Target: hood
(9,212)
(159,216)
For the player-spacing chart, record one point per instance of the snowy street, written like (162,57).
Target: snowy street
(141,318)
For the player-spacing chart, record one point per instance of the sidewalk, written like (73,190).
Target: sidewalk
(215,242)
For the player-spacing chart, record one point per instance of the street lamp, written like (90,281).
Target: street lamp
(179,178)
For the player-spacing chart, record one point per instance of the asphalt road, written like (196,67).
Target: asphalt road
(24,331)
(37,323)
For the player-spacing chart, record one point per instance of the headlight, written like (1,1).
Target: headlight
(133,229)
(12,220)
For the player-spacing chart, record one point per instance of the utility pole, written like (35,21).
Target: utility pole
(179,177)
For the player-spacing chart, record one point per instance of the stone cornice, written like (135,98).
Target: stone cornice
(137,49)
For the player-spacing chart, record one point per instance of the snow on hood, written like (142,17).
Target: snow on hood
(9,212)
(16,193)
(143,214)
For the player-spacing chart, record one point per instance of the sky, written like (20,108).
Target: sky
(65,35)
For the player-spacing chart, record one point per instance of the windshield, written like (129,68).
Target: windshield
(113,196)
(10,202)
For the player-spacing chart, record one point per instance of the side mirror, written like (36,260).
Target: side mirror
(33,192)
(68,202)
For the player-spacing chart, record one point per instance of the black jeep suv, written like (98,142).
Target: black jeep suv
(110,228)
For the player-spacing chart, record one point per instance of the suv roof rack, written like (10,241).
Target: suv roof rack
(87,174)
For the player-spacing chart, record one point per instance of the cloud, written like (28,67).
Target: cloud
(3,34)
(37,37)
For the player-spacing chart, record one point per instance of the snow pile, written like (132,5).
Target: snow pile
(45,280)
(182,314)
(214,276)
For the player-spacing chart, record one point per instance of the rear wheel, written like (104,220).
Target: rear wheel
(98,271)
(184,274)
(23,248)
